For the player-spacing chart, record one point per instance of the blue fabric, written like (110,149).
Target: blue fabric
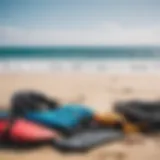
(67,116)
(3,115)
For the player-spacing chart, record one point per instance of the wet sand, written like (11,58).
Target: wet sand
(99,92)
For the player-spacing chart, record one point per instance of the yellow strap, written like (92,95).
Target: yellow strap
(114,118)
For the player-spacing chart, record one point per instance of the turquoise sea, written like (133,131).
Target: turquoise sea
(80,52)
(80,59)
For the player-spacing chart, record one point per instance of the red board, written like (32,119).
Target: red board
(3,125)
(26,131)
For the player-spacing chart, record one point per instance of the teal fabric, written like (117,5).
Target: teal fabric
(65,117)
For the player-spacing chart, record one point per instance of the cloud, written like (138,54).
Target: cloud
(104,34)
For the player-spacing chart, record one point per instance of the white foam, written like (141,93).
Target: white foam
(87,66)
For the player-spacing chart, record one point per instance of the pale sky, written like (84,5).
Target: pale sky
(79,22)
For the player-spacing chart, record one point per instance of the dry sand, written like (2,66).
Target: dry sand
(98,91)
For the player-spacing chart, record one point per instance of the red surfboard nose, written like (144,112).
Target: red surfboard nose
(26,131)
(3,125)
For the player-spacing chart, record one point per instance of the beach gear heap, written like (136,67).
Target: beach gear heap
(35,119)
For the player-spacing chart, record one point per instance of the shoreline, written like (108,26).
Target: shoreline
(76,65)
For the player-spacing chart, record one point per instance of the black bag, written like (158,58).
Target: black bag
(141,112)
(24,101)
(88,139)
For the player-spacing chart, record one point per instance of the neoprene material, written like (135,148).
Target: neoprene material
(141,112)
(88,139)
(24,101)
(66,118)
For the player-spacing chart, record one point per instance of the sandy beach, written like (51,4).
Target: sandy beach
(98,91)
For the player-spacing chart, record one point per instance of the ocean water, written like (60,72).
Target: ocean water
(80,52)
(80,59)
